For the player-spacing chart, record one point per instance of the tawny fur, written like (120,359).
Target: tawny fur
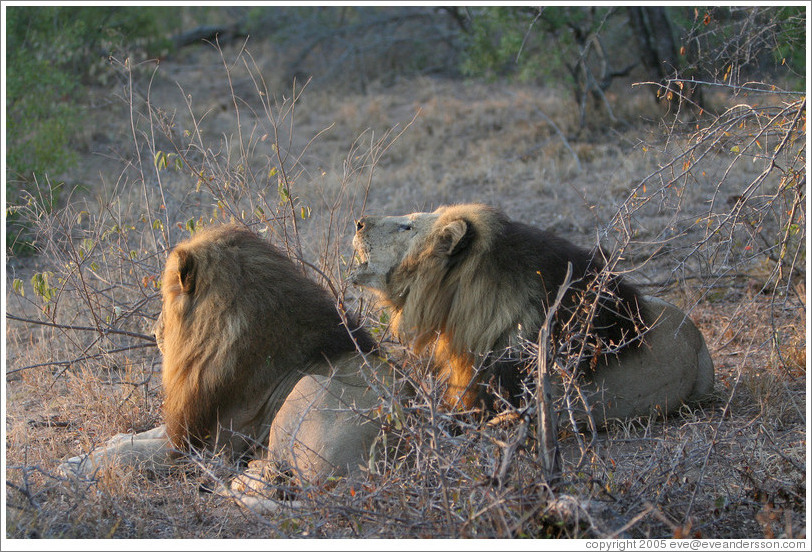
(466,282)
(239,318)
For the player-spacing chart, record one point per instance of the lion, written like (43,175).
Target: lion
(254,354)
(469,285)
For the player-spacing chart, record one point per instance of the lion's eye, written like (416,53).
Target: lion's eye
(404,226)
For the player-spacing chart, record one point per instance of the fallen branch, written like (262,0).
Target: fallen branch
(566,143)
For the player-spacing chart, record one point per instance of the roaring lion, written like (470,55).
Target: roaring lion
(469,285)
(255,355)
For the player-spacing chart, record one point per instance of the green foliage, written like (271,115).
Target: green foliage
(75,37)
(53,53)
(41,284)
(538,44)
(165,160)
(764,41)
(791,40)
(39,117)
(529,44)
(17,286)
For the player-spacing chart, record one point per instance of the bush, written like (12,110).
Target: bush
(54,53)
(586,48)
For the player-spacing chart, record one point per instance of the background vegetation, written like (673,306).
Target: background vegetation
(674,137)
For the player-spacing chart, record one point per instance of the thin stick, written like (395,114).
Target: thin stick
(67,363)
(103,331)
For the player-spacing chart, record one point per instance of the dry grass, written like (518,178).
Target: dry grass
(731,467)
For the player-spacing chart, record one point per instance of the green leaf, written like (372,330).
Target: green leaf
(85,247)
(160,160)
(284,195)
(17,286)
(42,287)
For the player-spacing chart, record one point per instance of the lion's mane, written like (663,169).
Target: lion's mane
(480,281)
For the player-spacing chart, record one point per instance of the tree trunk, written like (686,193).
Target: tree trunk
(658,53)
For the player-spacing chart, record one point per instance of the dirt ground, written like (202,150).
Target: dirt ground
(732,468)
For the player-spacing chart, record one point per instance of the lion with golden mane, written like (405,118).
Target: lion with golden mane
(468,285)
(256,355)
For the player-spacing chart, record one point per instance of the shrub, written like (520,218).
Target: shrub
(53,54)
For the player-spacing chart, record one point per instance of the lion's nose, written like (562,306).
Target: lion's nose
(359,225)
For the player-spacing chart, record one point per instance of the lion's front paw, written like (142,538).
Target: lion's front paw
(149,449)
(264,478)
(261,488)
(86,465)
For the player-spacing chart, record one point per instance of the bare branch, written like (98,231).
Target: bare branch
(101,331)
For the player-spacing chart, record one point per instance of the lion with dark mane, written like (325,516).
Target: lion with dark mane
(469,285)
(255,355)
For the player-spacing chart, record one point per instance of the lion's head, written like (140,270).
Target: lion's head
(382,243)
(388,245)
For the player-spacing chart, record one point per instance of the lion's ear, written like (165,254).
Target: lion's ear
(187,269)
(455,237)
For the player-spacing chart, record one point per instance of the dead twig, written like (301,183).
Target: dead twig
(68,363)
(102,331)
(508,450)
(549,453)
